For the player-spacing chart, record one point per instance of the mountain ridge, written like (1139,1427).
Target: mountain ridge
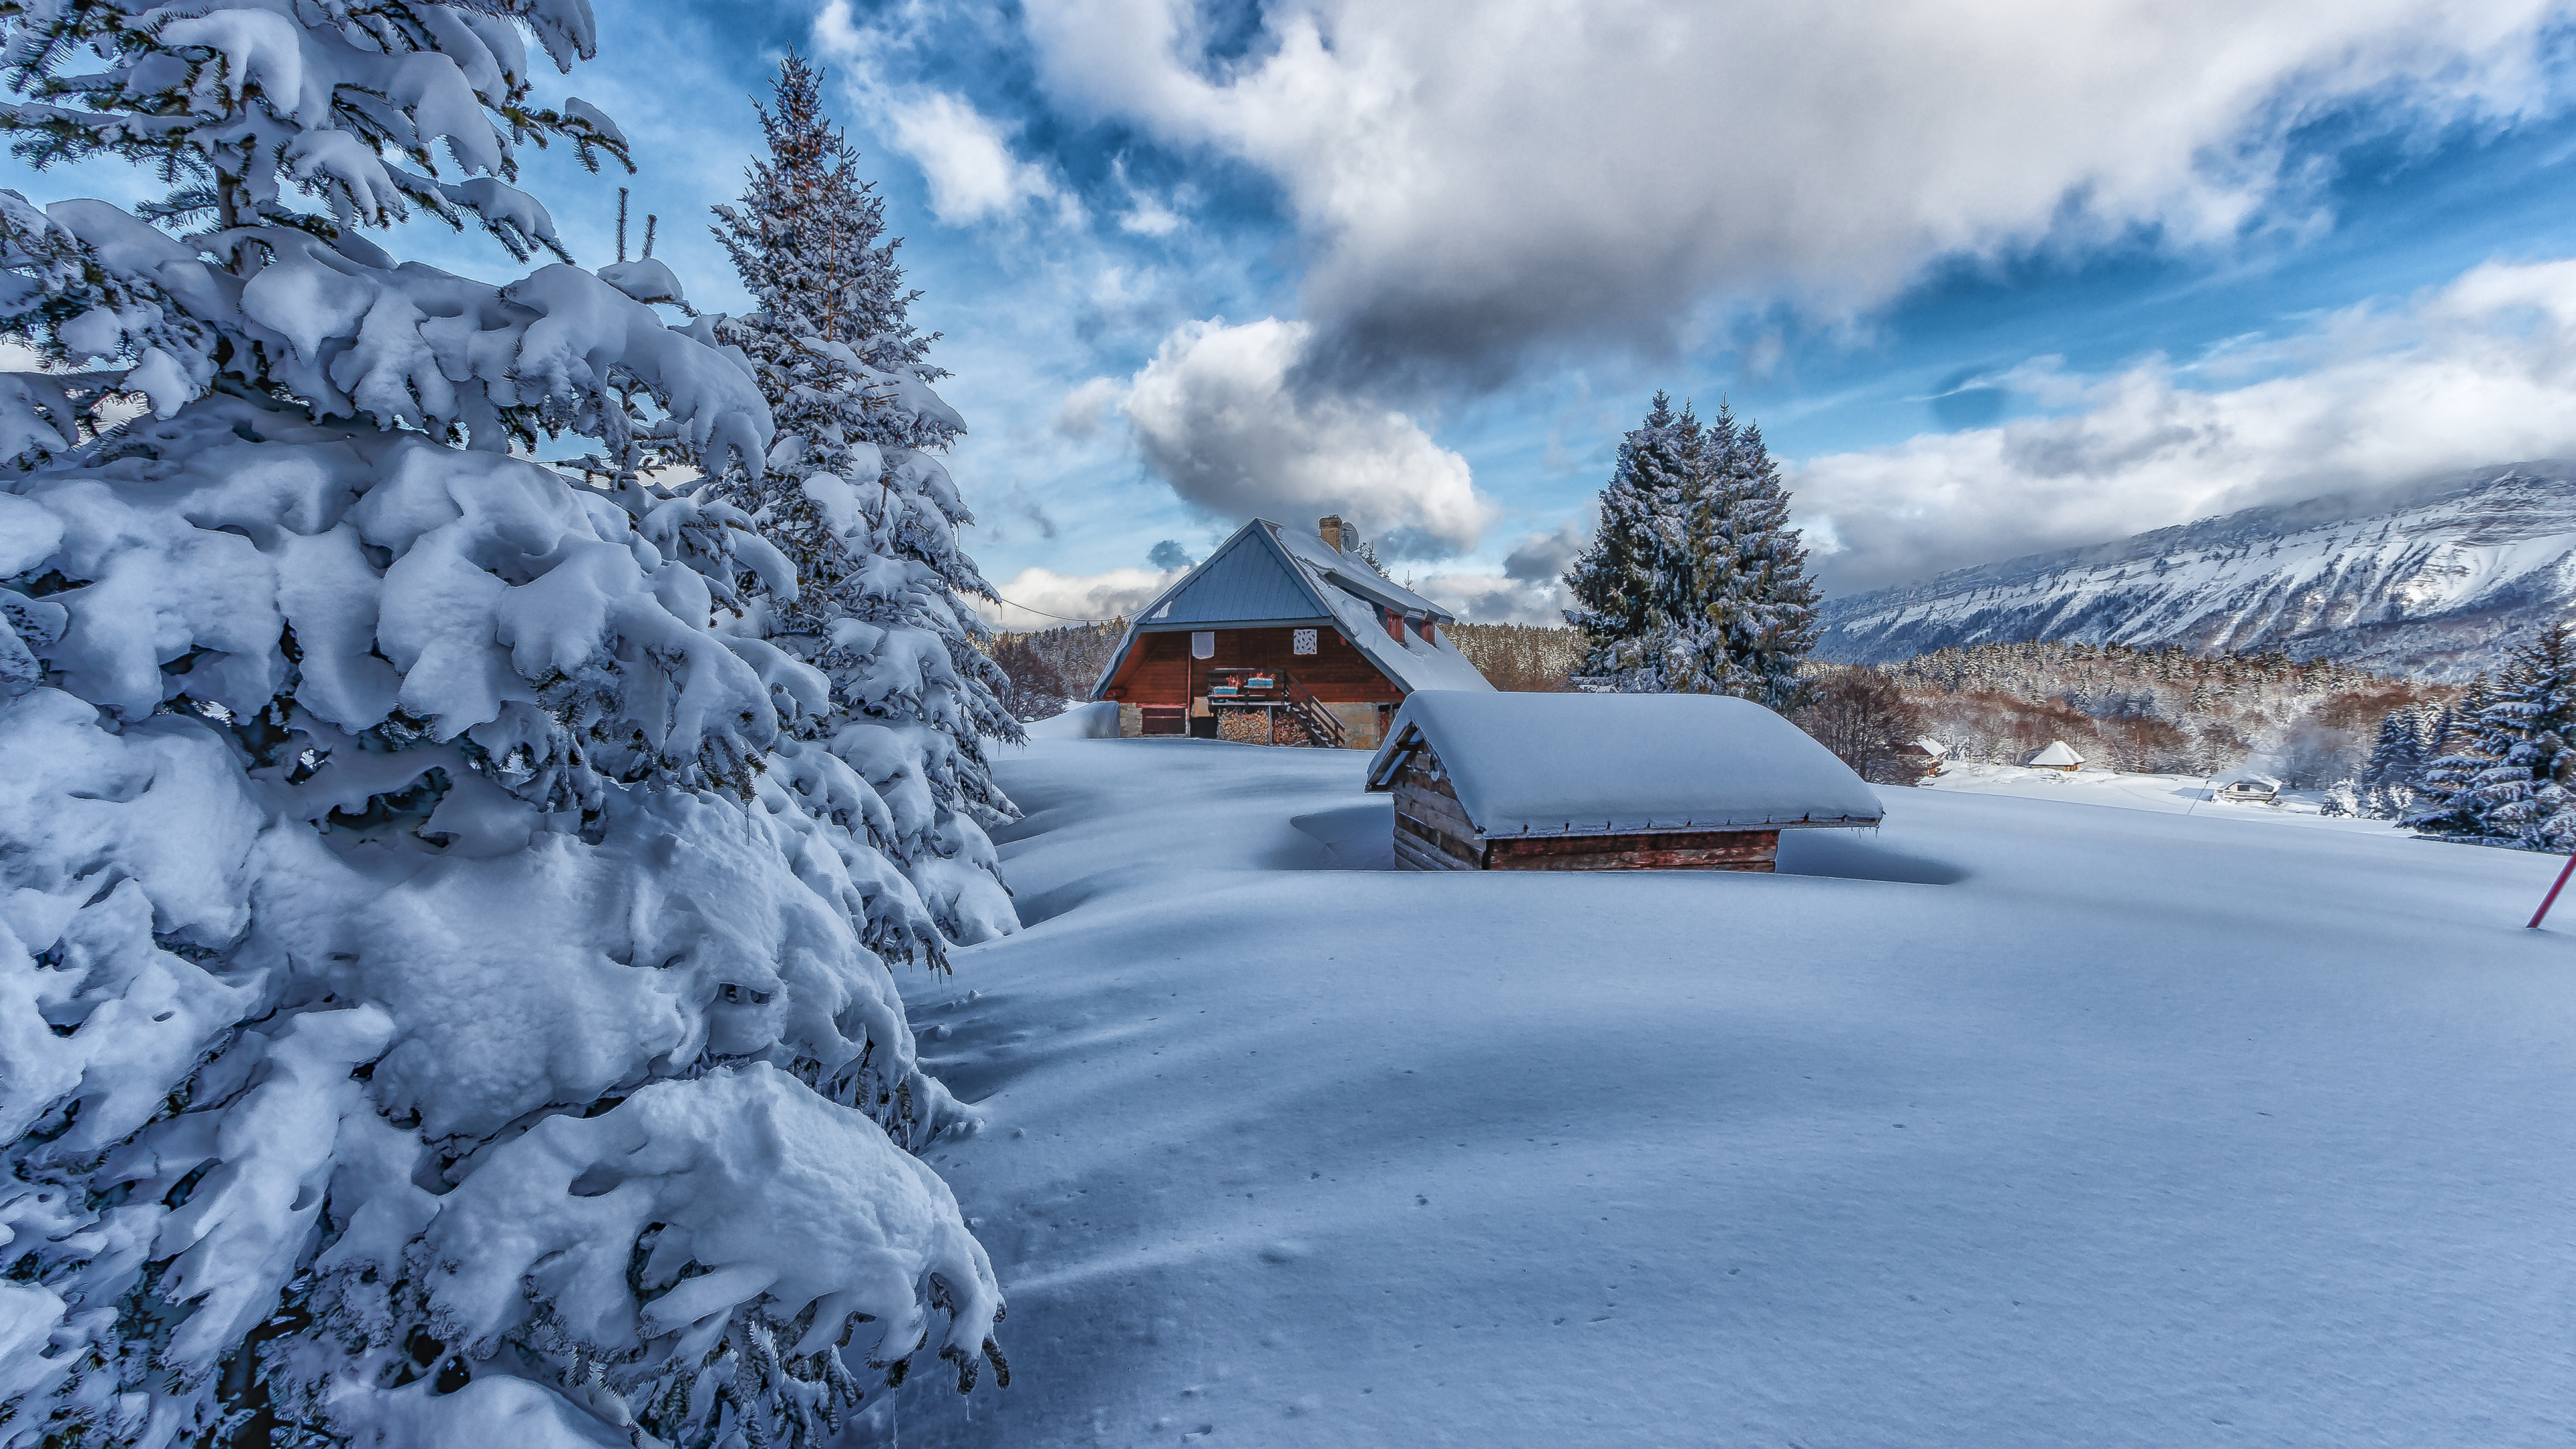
(2435,579)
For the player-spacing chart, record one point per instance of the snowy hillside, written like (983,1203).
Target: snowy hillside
(2017,1123)
(2437,581)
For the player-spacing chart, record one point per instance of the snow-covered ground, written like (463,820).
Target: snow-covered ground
(2179,794)
(2014,1124)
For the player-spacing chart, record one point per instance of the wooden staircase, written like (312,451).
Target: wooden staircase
(1322,730)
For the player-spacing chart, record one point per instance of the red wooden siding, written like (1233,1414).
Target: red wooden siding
(1159,669)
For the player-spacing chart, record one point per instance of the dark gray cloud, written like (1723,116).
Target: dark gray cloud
(1542,557)
(1169,554)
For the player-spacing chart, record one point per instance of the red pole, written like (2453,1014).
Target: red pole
(2552,898)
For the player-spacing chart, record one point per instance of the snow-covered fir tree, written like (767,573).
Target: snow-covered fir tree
(2458,754)
(852,493)
(427,1008)
(1617,581)
(1742,603)
(2387,786)
(1694,581)
(2512,784)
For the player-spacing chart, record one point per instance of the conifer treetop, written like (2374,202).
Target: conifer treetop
(808,239)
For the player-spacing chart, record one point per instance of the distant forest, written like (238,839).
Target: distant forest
(2162,711)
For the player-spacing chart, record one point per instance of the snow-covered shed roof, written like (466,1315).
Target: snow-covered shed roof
(1267,575)
(2059,754)
(1623,764)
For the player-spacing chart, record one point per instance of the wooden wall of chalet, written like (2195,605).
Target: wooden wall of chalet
(1159,669)
(1432,832)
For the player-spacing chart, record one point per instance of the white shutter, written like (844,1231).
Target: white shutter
(1302,642)
(1203,646)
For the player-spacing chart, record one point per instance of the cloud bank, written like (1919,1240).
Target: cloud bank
(1475,179)
(2482,370)
(1041,598)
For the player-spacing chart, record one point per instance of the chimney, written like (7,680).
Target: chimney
(1331,527)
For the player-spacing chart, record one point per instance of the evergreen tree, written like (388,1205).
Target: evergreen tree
(1617,582)
(2444,803)
(2388,778)
(1694,581)
(1745,611)
(853,497)
(426,1006)
(2527,737)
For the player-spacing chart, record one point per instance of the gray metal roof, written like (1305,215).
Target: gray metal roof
(1244,579)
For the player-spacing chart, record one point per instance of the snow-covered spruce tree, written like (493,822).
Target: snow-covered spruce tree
(2527,739)
(1695,582)
(2396,760)
(420,1013)
(852,494)
(1742,604)
(2444,801)
(1617,581)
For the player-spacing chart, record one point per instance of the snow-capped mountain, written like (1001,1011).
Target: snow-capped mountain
(2436,580)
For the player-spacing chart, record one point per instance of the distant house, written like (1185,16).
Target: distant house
(2250,788)
(2058,756)
(1488,781)
(1282,638)
(1923,756)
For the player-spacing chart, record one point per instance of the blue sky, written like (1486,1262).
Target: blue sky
(2008,277)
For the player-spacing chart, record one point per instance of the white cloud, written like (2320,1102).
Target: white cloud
(963,155)
(1477,174)
(1080,414)
(1217,414)
(1041,598)
(2480,371)
(1495,598)
(1149,217)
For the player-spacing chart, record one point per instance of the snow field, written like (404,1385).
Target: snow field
(2194,795)
(2070,1126)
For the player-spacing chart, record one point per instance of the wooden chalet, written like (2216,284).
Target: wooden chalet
(1281,638)
(1922,757)
(1605,782)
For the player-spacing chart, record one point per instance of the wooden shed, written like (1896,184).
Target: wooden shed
(1605,782)
(1282,638)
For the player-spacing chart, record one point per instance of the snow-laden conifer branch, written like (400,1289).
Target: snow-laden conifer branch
(2504,760)
(434,990)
